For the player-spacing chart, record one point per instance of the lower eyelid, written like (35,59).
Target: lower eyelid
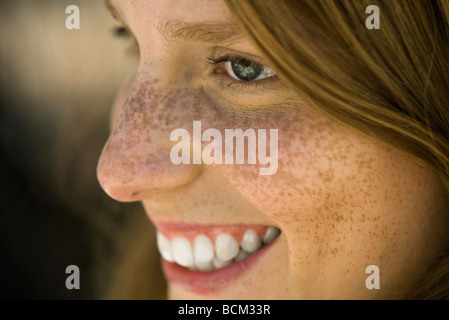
(235,87)
(229,98)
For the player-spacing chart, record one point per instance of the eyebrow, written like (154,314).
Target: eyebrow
(212,33)
(179,31)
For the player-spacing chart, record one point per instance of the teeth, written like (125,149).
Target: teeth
(251,241)
(203,255)
(205,266)
(164,247)
(203,249)
(242,255)
(270,235)
(182,252)
(218,263)
(226,247)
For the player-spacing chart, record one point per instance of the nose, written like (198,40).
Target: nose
(136,158)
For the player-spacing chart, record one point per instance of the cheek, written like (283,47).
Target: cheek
(343,200)
(313,159)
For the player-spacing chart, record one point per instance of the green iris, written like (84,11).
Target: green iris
(246,70)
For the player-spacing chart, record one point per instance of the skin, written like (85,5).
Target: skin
(342,200)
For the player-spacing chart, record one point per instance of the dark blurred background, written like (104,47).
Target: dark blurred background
(56,90)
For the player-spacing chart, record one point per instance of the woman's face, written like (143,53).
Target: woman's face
(341,200)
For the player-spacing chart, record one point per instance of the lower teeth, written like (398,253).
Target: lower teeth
(216,263)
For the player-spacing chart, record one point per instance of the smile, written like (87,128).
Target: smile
(201,257)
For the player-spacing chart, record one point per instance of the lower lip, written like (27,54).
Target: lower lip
(209,282)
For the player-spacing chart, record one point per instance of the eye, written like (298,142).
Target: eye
(246,70)
(121,32)
(242,69)
(124,33)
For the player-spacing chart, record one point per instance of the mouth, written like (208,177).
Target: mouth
(205,259)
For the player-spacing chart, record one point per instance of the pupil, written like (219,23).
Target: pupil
(246,70)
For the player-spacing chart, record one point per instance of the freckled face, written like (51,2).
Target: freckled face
(341,200)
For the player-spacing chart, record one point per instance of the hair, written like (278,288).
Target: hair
(391,84)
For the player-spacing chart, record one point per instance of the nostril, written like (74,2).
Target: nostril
(135,194)
(121,192)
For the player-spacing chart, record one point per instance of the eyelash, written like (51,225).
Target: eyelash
(218,60)
(233,82)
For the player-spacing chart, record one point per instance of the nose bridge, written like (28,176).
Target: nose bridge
(136,158)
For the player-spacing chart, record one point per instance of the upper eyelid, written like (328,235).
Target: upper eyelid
(222,52)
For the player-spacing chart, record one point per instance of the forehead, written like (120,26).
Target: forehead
(190,11)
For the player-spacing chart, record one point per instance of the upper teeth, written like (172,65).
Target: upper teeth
(251,241)
(164,247)
(182,252)
(203,249)
(226,247)
(204,255)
